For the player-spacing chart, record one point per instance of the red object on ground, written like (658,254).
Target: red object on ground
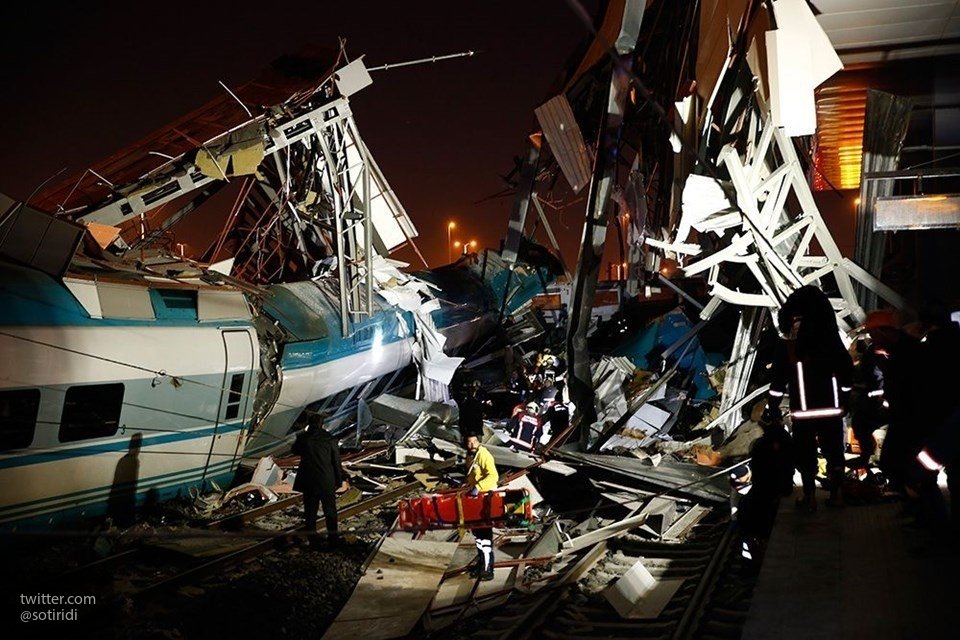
(453,509)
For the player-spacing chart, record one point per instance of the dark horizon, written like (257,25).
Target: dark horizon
(84,83)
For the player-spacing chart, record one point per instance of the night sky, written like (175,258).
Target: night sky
(83,81)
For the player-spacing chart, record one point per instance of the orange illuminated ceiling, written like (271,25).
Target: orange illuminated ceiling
(870,32)
(839,139)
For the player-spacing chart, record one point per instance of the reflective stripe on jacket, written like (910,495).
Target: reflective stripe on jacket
(818,386)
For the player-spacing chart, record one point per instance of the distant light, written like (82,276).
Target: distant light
(856,202)
(451,225)
(456,243)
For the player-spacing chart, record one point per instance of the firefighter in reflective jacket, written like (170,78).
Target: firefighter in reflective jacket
(482,477)
(812,364)
(528,428)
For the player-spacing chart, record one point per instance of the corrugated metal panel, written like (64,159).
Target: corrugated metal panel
(897,213)
(566,141)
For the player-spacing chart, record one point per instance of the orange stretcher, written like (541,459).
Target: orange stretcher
(457,510)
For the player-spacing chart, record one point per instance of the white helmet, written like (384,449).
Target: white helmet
(533,408)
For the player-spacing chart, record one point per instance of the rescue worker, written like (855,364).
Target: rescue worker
(758,487)
(473,406)
(557,413)
(867,409)
(936,422)
(898,362)
(547,364)
(481,477)
(942,451)
(527,428)
(319,477)
(518,384)
(811,362)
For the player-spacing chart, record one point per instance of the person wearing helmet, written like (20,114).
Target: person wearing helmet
(811,363)
(527,428)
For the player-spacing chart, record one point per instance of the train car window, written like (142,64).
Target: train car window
(91,411)
(235,397)
(18,417)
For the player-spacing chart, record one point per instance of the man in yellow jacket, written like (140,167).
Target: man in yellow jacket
(482,476)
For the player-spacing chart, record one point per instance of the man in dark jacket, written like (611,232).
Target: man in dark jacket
(319,476)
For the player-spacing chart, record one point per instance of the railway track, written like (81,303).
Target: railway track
(711,602)
(142,574)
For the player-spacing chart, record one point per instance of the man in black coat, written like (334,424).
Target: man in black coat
(320,476)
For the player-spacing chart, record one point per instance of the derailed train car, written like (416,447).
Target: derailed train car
(119,389)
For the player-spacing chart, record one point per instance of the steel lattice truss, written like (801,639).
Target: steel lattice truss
(309,198)
(762,247)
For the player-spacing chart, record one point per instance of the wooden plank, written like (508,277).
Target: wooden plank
(393,593)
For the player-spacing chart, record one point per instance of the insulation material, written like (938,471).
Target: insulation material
(102,234)
(638,595)
(241,156)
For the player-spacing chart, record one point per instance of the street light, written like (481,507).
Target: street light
(472,244)
(456,245)
(450,227)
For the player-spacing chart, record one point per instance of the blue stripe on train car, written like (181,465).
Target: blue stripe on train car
(52,455)
(98,508)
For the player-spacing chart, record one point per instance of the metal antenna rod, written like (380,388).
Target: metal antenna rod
(384,67)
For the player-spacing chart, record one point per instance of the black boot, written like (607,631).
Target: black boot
(836,489)
(807,502)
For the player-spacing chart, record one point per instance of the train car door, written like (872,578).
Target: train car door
(235,401)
